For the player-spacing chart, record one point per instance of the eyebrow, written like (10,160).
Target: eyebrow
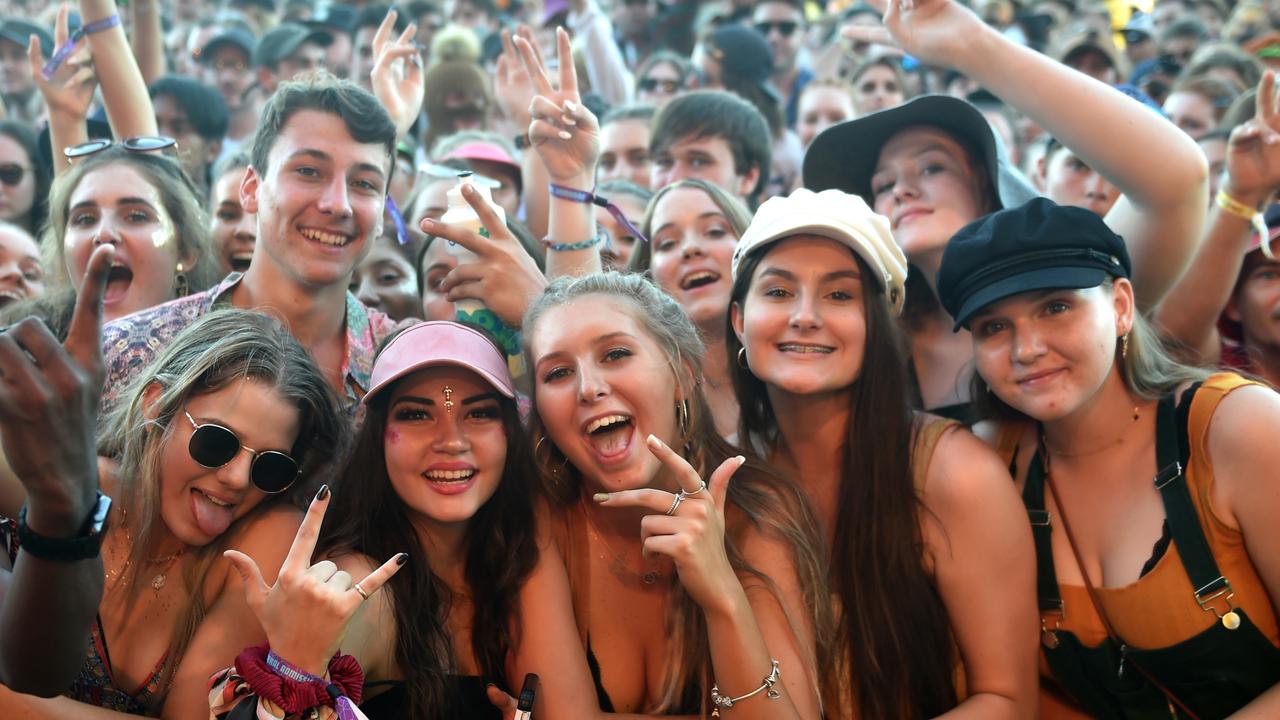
(788,275)
(428,401)
(703,216)
(603,338)
(121,201)
(326,157)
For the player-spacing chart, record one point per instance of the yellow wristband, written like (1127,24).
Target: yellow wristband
(1249,213)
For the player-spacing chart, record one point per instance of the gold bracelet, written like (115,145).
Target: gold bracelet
(1248,213)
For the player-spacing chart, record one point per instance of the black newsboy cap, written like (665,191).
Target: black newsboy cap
(1038,245)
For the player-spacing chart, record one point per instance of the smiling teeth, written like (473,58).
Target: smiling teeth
(213,499)
(605,421)
(324,237)
(699,277)
(792,347)
(448,475)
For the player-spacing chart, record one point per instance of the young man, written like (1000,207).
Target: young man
(321,163)
(1068,180)
(287,52)
(17,88)
(782,23)
(196,116)
(715,136)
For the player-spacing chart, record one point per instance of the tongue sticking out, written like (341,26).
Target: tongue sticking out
(211,518)
(118,282)
(613,440)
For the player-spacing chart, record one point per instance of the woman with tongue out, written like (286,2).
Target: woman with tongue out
(693,227)
(688,595)
(144,205)
(932,575)
(213,449)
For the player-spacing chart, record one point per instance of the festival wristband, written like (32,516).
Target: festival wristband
(1248,213)
(582,196)
(63,52)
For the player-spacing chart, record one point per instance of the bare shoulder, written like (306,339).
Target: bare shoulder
(1244,422)
(964,471)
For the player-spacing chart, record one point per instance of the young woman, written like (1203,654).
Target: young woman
(142,203)
(693,227)
(931,165)
(24,180)
(1150,485)
(920,517)
(233,232)
(683,590)
(878,84)
(187,486)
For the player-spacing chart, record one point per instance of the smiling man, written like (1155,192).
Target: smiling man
(318,178)
(714,136)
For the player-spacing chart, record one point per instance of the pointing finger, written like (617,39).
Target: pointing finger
(304,543)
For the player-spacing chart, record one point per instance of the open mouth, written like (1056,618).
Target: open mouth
(8,297)
(324,237)
(212,515)
(699,279)
(806,348)
(449,476)
(119,279)
(610,435)
(240,261)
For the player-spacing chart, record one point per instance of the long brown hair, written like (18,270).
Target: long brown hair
(771,504)
(500,548)
(223,347)
(893,656)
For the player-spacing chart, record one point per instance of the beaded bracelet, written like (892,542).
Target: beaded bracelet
(565,247)
(766,687)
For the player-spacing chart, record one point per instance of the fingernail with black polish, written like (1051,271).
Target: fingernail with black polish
(323,493)
(402,558)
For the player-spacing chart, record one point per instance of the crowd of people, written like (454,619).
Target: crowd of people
(581,358)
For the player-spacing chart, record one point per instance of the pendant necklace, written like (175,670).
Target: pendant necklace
(617,565)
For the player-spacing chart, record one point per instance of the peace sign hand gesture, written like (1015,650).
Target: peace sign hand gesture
(1253,150)
(306,613)
(687,526)
(396,76)
(49,397)
(563,131)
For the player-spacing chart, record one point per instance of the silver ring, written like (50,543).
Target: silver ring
(675,502)
(360,590)
(695,492)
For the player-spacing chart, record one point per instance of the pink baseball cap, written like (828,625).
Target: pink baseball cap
(440,342)
(483,151)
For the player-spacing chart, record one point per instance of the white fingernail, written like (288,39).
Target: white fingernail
(570,106)
(566,135)
(568,120)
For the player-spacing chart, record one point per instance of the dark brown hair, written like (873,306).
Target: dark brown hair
(893,651)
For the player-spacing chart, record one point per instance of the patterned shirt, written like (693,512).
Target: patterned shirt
(132,342)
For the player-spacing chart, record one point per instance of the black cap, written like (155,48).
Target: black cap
(1039,245)
(233,37)
(844,156)
(743,53)
(19,31)
(283,41)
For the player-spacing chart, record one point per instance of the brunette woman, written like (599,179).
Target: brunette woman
(186,487)
(692,227)
(932,164)
(1150,485)
(684,591)
(920,517)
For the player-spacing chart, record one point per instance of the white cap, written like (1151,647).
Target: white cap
(836,215)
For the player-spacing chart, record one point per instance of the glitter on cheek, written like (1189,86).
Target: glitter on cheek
(163,233)
(391,436)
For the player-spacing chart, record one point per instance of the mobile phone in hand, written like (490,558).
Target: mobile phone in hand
(524,707)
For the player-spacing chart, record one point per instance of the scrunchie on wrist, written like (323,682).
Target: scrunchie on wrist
(294,696)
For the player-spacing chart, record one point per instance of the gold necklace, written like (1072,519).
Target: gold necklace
(1118,441)
(164,561)
(617,565)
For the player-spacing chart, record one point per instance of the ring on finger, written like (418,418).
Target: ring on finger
(701,486)
(360,590)
(675,502)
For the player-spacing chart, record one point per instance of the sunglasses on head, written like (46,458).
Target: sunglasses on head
(785,27)
(11,173)
(214,446)
(142,143)
(667,86)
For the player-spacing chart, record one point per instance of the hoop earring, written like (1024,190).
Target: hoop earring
(742,359)
(682,417)
(549,469)
(180,286)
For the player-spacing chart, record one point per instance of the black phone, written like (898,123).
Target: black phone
(524,706)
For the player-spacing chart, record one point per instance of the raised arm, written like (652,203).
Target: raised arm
(1158,168)
(606,69)
(1189,314)
(148,39)
(124,91)
(67,91)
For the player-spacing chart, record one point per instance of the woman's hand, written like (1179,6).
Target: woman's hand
(49,407)
(689,531)
(397,73)
(938,32)
(306,613)
(512,84)
(69,91)
(503,275)
(563,131)
(1253,151)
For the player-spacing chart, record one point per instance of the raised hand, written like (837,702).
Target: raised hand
(938,32)
(306,613)
(1253,150)
(563,131)
(512,84)
(687,526)
(397,73)
(503,275)
(69,91)
(49,407)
